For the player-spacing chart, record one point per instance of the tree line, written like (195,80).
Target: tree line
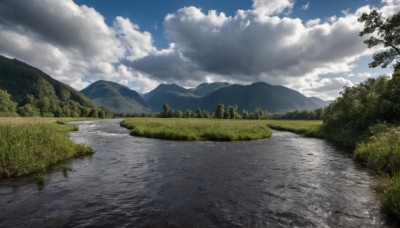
(48,107)
(232,112)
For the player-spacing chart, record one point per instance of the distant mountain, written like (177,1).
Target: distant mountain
(319,101)
(116,97)
(207,88)
(258,95)
(171,94)
(39,94)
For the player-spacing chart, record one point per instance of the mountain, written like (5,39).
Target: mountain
(115,97)
(319,101)
(171,94)
(257,95)
(39,94)
(206,88)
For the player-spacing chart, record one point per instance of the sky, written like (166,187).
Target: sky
(308,45)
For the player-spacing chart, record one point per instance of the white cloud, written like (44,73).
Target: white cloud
(270,7)
(69,41)
(326,88)
(255,45)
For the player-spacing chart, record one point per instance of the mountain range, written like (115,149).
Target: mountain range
(206,96)
(20,80)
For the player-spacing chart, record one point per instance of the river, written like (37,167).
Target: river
(284,181)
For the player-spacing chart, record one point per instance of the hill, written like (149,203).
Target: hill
(39,94)
(319,101)
(257,95)
(207,88)
(115,97)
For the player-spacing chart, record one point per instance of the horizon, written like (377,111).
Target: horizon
(307,46)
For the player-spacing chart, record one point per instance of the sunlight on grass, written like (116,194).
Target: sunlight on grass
(198,129)
(30,145)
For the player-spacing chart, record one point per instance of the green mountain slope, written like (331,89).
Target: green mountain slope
(115,97)
(207,88)
(258,95)
(39,94)
(319,101)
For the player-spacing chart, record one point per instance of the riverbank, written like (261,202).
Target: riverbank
(380,153)
(198,129)
(31,145)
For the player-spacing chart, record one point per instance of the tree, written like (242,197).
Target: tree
(7,106)
(188,113)
(178,114)
(232,112)
(219,112)
(199,113)
(166,111)
(388,35)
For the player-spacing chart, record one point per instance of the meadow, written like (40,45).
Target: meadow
(198,129)
(213,129)
(31,145)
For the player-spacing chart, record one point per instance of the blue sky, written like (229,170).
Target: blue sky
(308,45)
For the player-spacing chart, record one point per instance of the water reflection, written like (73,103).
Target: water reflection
(283,181)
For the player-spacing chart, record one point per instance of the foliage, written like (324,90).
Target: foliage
(348,118)
(198,129)
(31,145)
(316,114)
(219,112)
(37,94)
(388,35)
(7,106)
(389,189)
(381,152)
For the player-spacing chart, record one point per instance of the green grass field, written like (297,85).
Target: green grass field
(29,145)
(198,129)
(214,129)
(307,127)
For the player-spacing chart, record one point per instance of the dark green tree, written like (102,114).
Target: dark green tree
(7,106)
(219,112)
(199,113)
(388,35)
(188,113)
(232,112)
(166,110)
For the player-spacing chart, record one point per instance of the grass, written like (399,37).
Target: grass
(31,145)
(198,129)
(306,127)
(381,153)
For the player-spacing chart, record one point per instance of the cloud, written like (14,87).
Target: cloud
(305,6)
(68,41)
(326,88)
(270,7)
(255,45)
(249,48)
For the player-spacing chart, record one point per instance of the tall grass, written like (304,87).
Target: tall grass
(29,145)
(306,127)
(198,129)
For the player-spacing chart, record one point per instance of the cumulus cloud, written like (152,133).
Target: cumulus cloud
(72,42)
(326,88)
(247,48)
(69,41)
(256,45)
(270,7)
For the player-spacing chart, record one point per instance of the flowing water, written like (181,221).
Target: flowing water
(284,181)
